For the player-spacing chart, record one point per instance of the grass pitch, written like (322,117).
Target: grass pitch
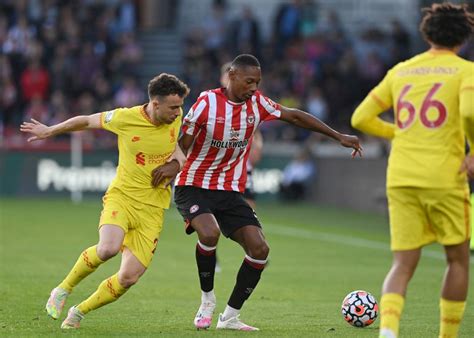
(317,255)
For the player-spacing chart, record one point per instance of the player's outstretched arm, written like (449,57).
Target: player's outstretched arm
(304,120)
(41,131)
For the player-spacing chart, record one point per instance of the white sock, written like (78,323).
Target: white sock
(230,312)
(208,297)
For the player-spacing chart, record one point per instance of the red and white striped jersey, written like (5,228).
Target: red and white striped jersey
(223,131)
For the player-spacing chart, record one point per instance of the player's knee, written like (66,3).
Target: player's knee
(107,251)
(128,279)
(260,251)
(209,236)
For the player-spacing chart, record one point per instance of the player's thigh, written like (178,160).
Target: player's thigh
(449,212)
(111,238)
(409,226)
(252,240)
(144,233)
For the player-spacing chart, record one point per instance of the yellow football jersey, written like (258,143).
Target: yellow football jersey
(428,139)
(142,147)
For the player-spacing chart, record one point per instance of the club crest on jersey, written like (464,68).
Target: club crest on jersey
(194,209)
(250,119)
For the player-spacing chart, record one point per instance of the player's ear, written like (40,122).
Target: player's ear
(156,103)
(232,73)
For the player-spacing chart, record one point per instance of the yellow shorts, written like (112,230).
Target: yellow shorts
(142,223)
(420,216)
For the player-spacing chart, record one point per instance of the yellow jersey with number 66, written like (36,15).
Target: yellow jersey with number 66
(428,139)
(142,147)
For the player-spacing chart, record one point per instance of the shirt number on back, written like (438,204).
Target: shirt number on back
(428,103)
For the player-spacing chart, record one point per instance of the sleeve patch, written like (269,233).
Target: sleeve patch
(108,116)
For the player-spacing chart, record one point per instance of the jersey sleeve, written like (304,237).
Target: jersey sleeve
(196,116)
(382,93)
(269,110)
(112,120)
(466,107)
(365,117)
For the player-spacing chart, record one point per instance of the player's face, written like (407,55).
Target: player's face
(167,109)
(244,81)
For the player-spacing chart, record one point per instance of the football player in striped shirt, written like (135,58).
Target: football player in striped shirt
(432,95)
(216,136)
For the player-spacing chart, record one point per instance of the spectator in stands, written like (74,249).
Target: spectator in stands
(297,176)
(287,25)
(34,81)
(244,34)
(129,94)
(400,41)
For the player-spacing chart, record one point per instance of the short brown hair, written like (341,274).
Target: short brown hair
(167,84)
(446,24)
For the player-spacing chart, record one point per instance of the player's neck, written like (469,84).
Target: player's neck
(150,115)
(437,48)
(231,97)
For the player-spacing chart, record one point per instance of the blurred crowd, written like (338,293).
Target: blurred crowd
(61,58)
(310,61)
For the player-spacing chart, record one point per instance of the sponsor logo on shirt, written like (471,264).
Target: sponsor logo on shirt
(135,138)
(140,158)
(229,144)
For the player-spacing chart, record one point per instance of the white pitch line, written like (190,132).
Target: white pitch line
(339,239)
(283,230)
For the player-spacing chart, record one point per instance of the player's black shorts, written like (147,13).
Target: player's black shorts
(228,207)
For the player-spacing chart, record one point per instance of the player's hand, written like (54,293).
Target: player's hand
(39,130)
(164,173)
(468,166)
(351,141)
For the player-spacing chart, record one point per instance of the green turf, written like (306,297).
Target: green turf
(317,256)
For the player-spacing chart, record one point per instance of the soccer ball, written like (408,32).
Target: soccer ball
(359,308)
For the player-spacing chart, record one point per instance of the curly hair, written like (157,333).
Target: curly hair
(446,24)
(167,84)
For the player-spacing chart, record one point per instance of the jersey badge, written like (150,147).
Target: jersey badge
(108,116)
